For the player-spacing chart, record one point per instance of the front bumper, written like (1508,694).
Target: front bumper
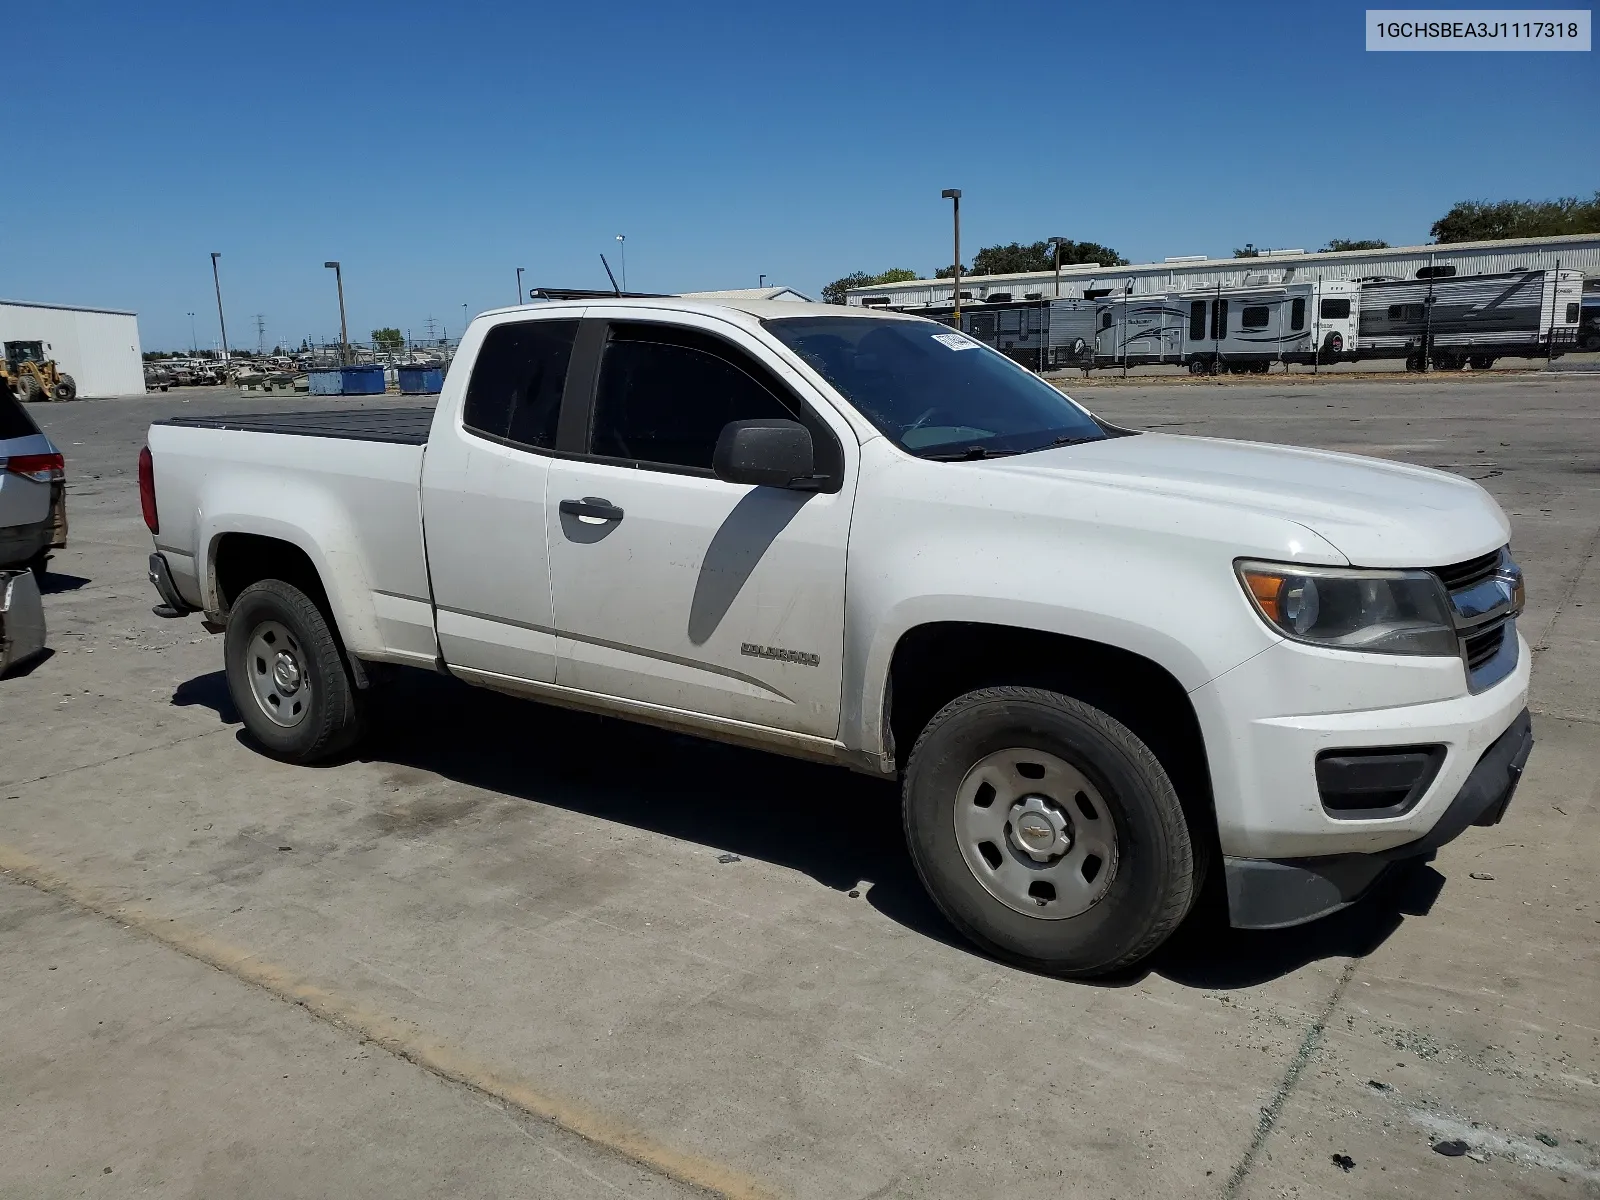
(1272,894)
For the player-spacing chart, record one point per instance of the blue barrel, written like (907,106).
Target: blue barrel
(421,380)
(362,381)
(326,382)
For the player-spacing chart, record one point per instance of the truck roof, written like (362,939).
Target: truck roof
(760,309)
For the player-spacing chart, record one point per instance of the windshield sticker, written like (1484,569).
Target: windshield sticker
(956,341)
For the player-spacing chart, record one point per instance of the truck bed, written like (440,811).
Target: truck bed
(403,426)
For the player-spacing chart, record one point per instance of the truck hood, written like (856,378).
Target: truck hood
(1375,512)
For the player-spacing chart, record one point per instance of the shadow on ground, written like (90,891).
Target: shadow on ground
(839,828)
(56,581)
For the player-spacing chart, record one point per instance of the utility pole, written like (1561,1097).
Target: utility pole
(261,334)
(216,279)
(763,282)
(344,335)
(194,339)
(954,195)
(1057,242)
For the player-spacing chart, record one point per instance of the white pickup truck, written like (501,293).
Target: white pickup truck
(1101,662)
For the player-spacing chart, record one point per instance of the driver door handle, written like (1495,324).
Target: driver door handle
(592,506)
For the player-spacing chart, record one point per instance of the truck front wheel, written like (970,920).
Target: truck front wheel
(1047,832)
(287,676)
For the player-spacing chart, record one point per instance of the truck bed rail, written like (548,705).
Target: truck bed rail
(404,426)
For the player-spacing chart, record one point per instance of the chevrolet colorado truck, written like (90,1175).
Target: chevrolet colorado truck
(1100,662)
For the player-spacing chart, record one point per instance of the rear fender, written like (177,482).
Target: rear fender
(319,527)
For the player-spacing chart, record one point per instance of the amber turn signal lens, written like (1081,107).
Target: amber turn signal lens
(1267,590)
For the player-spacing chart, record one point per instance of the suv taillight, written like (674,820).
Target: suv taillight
(41,468)
(147,490)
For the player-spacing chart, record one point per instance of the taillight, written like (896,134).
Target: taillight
(147,489)
(42,468)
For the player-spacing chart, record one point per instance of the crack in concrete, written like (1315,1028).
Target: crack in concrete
(1280,1095)
(88,766)
(1577,578)
(395,1035)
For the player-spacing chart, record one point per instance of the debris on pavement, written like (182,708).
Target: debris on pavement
(728,858)
(1454,1148)
(1480,875)
(1344,1162)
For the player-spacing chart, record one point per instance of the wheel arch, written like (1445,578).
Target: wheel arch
(236,558)
(937,661)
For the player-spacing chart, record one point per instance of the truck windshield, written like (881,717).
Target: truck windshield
(935,392)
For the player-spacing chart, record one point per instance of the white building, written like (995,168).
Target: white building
(765,293)
(1578,252)
(98,347)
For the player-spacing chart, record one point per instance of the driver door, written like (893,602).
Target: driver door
(677,590)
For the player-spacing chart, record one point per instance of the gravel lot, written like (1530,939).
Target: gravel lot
(498,953)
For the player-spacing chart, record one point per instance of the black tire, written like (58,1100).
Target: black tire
(1157,870)
(332,722)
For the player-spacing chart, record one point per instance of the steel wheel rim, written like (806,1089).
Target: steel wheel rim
(1036,833)
(276,665)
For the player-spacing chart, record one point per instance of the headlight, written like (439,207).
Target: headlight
(1378,612)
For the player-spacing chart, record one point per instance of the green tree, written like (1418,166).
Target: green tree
(388,339)
(834,293)
(1483,220)
(1348,244)
(1016,258)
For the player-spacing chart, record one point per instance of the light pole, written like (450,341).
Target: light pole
(344,334)
(519,285)
(622,258)
(1056,242)
(194,339)
(217,280)
(763,282)
(954,195)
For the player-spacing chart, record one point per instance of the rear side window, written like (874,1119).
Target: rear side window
(1197,320)
(1254,316)
(665,395)
(14,421)
(1334,310)
(1297,313)
(517,381)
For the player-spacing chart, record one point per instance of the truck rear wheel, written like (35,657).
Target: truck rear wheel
(287,675)
(1047,832)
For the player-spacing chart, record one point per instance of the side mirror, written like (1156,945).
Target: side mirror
(767,453)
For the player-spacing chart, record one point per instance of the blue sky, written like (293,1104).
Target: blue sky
(435,148)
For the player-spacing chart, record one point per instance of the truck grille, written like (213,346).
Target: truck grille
(1485,623)
(1466,574)
(1481,647)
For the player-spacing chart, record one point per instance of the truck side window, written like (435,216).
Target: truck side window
(1297,313)
(515,391)
(665,394)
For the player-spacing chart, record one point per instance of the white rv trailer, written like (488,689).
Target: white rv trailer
(1228,329)
(1470,318)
